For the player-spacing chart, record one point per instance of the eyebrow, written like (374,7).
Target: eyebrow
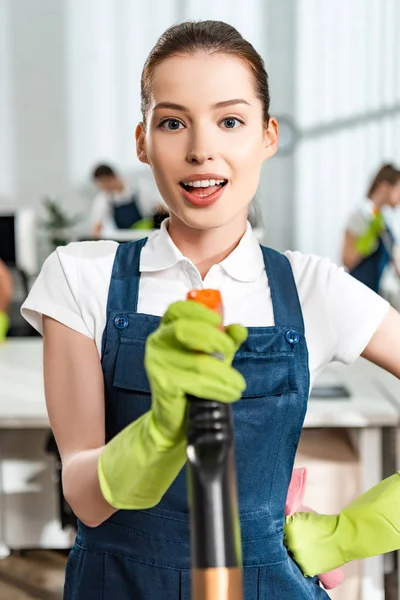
(222,104)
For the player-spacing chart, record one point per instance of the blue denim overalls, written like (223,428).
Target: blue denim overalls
(126,215)
(370,270)
(145,554)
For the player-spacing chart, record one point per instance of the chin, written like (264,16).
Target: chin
(211,218)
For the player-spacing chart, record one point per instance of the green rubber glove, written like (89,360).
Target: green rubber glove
(145,223)
(140,463)
(4,322)
(366,243)
(368,526)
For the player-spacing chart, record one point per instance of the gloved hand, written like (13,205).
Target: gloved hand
(367,242)
(368,526)
(140,463)
(4,322)
(294,504)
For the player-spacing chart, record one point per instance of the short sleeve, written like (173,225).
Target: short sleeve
(358,312)
(340,314)
(55,293)
(352,309)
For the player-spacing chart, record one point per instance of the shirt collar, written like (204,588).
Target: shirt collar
(160,252)
(244,263)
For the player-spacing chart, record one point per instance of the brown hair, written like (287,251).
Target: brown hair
(387,173)
(103,171)
(191,37)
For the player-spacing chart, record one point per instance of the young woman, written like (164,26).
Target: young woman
(117,376)
(368,241)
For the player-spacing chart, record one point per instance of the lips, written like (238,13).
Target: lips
(203,189)
(203,196)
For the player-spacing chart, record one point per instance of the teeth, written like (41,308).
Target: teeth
(204,183)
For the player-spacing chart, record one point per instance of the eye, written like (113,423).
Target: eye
(231,123)
(170,124)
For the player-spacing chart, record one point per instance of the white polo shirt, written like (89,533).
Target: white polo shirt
(340,314)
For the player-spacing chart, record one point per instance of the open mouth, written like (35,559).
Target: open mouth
(205,187)
(203,193)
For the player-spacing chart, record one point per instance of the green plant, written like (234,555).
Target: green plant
(58,224)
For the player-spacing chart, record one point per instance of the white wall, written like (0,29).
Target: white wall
(37,99)
(347,109)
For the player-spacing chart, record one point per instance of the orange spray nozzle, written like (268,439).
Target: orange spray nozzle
(210,298)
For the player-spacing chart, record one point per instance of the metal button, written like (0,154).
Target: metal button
(121,322)
(292,336)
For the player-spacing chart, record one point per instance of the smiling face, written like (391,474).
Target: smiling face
(205,138)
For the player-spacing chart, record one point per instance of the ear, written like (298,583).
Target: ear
(141,144)
(271,138)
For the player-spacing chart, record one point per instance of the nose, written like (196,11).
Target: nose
(199,150)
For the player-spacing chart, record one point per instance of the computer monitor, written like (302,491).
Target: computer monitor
(18,243)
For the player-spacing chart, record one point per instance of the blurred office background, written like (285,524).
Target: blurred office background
(70,99)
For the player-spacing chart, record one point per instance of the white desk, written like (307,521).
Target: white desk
(22,406)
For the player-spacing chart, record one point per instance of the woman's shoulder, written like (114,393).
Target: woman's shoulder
(88,250)
(320,281)
(316,276)
(79,266)
(307,265)
(86,257)
(71,277)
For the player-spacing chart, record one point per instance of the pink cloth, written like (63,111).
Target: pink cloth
(294,499)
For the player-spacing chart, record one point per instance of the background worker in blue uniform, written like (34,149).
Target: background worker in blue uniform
(368,240)
(122,349)
(115,206)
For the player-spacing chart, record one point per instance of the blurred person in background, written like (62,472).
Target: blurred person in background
(368,240)
(6,291)
(115,207)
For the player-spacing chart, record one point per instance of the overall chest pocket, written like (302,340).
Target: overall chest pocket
(267,362)
(267,371)
(266,374)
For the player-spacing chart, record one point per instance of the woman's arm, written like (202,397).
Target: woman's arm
(75,402)
(350,256)
(384,346)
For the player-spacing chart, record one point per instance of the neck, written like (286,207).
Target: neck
(206,247)
(379,199)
